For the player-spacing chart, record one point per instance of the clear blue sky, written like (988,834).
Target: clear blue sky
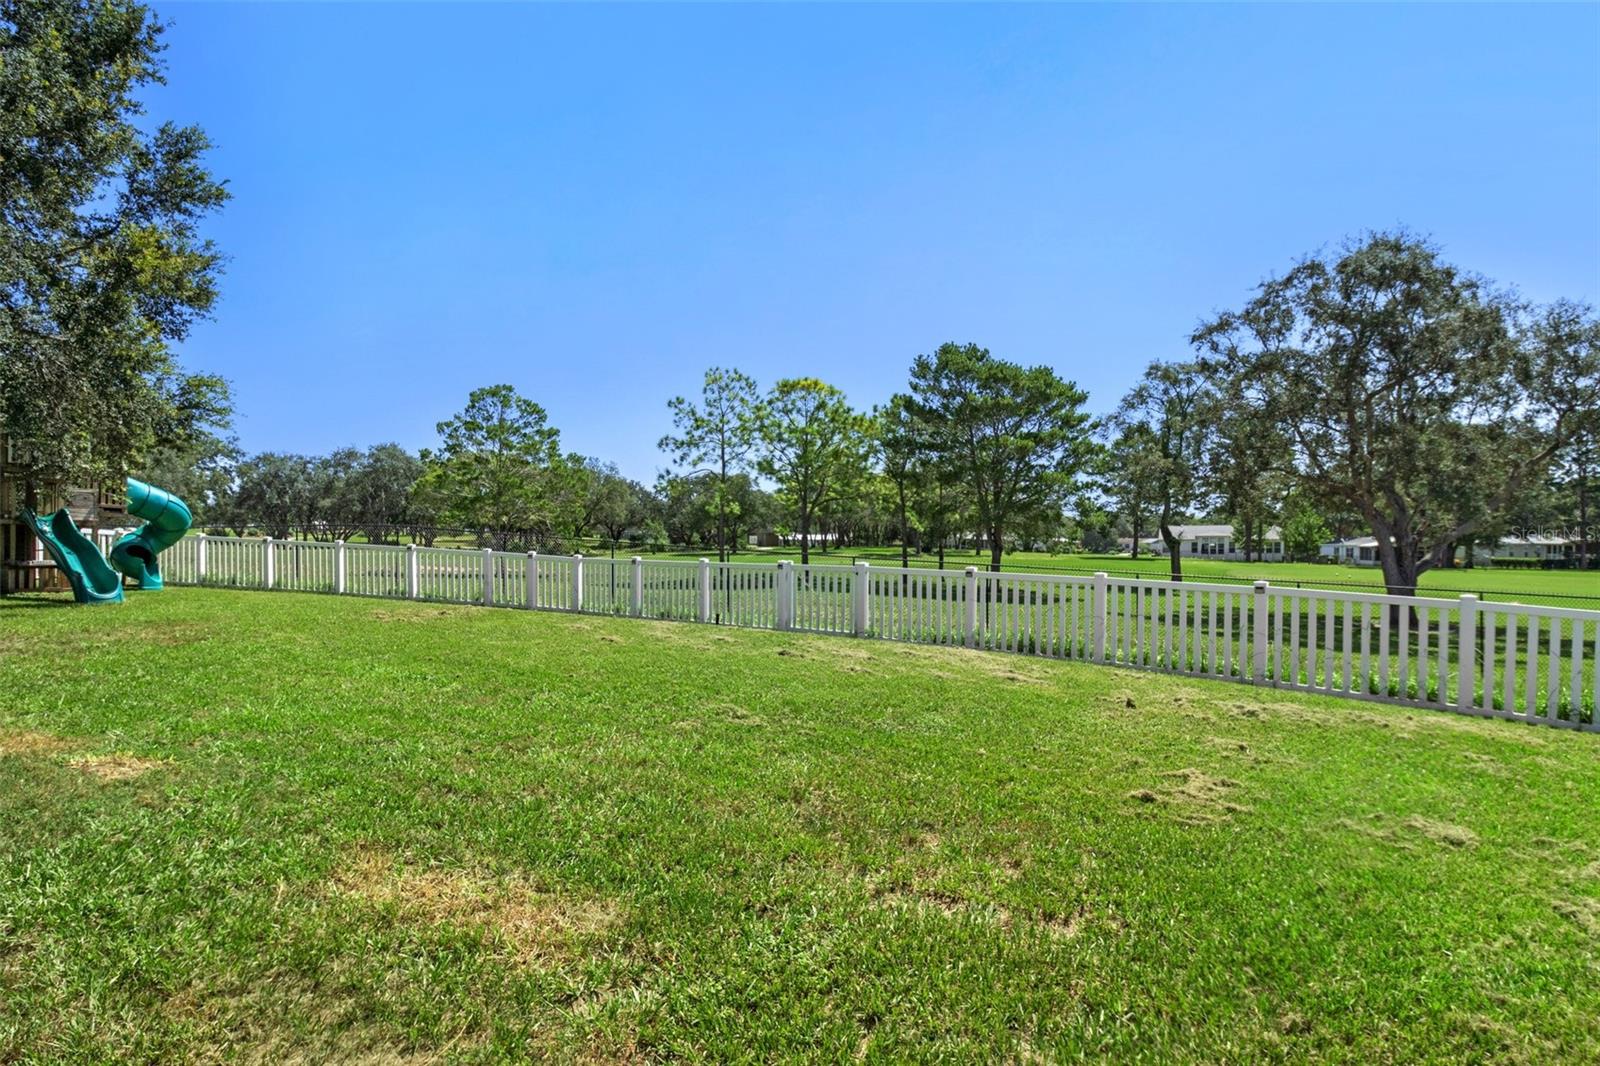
(596,203)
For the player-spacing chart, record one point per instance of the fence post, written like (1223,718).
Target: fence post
(533,580)
(636,599)
(577,582)
(488,577)
(1102,597)
(338,566)
(1259,634)
(970,623)
(412,583)
(860,586)
(269,564)
(1466,653)
(704,589)
(785,595)
(200,559)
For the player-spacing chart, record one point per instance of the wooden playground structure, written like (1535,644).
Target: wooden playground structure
(24,566)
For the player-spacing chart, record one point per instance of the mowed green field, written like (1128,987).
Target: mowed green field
(1556,588)
(1563,588)
(280,827)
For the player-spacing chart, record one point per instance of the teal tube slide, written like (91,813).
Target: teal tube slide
(166,520)
(77,557)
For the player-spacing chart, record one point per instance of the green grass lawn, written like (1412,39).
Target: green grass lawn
(279,827)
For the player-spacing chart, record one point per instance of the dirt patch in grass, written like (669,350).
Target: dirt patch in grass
(1065,925)
(732,712)
(536,924)
(946,903)
(414,614)
(172,635)
(690,634)
(1194,796)
(1201,787)
(287,1019)
(1512,1045)
(28,742)
(1486,764)
(1406,724)
(1582,912)
(1007,666)
(1230,745)
(114,767)
(1375,828)
(1454,836)
(1404,834)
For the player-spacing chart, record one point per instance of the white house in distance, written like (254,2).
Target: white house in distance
(1216,542)
(1363,551)
(1536,546)
(1357,551)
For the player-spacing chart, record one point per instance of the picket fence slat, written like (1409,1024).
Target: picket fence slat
(1507,660)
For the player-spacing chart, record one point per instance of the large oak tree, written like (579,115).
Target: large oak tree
(102,261)
(1411,392)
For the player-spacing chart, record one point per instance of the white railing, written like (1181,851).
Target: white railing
(1506,660)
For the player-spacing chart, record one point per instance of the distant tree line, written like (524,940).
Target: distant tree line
(1378,390)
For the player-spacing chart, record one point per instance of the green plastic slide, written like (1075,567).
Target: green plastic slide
(166,518)
(91,579)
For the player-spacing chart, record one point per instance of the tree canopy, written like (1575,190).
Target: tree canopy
(500,466)
(718,436)
(102,262)
(1015,436)
(1167,421)
(813,446)
(1410,391)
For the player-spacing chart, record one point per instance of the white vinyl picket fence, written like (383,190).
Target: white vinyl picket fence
(1506,660)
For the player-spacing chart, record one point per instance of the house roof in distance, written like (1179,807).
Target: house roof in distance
(1193,532)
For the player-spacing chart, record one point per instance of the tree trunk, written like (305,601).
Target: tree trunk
(1174,545)
(722,501)
(905,533)
(1397,555)
(805,537)
(1583,518)
(722,531)
(994,550)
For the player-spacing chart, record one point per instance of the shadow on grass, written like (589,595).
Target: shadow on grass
(16,602)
